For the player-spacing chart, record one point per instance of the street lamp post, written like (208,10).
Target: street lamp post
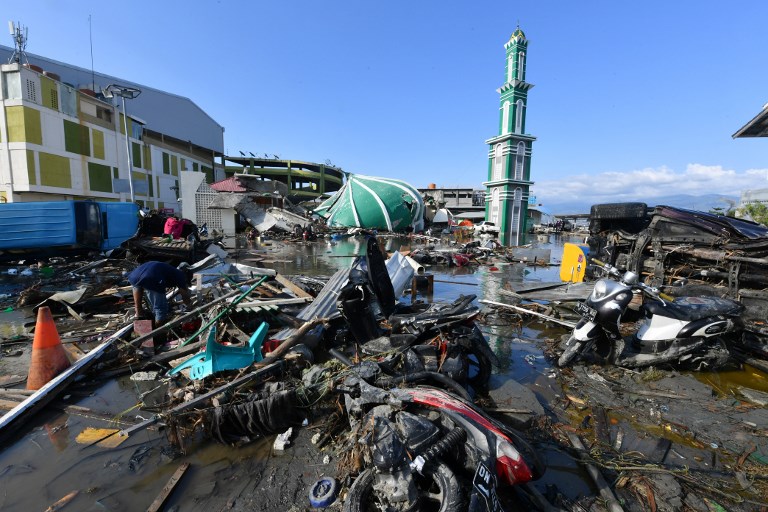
(124,91)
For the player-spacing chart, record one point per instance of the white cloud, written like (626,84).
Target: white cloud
(648,183)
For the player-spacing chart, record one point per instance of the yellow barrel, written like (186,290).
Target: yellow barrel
(574,262)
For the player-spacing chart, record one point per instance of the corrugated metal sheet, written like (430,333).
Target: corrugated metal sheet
(324,305)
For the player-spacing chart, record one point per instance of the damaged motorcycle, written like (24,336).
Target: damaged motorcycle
(686,332)
(412,339)
(428,450)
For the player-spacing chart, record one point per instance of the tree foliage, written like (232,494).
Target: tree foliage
(758,212)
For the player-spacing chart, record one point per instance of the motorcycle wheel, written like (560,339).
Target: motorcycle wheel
(439,491)
(478,369)
(572,349)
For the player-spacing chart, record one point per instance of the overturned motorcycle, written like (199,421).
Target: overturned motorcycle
(685,332)
(428,450)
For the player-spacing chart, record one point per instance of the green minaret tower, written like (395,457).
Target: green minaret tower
(509,154)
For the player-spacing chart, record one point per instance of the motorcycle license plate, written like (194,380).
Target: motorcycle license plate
(484,483)
(586,311)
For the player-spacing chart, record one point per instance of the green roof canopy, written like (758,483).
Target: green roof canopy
(374,203)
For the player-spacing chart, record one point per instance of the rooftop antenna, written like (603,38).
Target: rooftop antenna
(19,35)
(90,35)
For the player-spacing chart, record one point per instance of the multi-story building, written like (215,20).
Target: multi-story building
(466,203)
(62,138)
(509,155)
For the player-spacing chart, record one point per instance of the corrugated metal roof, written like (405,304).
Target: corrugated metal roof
(757,127)
(231,184)
(374,203)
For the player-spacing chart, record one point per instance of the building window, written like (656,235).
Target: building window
(136,130)
(495,206)
(520,65)
(105,114)
(519,116)
(516,206)
(505,119)
(31,91)
(519,161)
(54,99)
(510,68)
(497,163)
(12,86)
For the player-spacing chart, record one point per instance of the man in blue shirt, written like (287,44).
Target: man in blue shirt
(153,278)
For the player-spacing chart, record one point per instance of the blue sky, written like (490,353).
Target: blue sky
(631,100)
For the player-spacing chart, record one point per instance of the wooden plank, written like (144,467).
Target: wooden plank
(272,289)
(16,397)
(168,489)
(296,290)
(61,503)
(85,412)
(8,404)
(602,432)
(273,302)
(12,380)
(13,391)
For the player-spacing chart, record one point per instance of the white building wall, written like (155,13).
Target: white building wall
(18,158)
(53,131)
(114,152)
(759,195)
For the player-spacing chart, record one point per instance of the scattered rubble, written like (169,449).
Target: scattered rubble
(651,440)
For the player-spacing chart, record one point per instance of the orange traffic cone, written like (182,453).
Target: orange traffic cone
(48,356)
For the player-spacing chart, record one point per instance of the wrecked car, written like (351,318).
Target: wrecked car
(688,252)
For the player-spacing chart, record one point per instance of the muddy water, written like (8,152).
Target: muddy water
(46,463)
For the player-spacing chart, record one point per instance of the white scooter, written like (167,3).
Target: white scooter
(686,332)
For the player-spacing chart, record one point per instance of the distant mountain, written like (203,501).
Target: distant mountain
(702,203)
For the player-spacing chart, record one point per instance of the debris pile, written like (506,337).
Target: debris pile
(398,406)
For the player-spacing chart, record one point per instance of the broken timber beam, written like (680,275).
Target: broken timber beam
(570,325)
(297,291)
(292,341)
(168,489)
(605,491)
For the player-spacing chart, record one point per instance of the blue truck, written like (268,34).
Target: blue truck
(58,226)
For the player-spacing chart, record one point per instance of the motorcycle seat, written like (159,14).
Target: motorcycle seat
(694,308)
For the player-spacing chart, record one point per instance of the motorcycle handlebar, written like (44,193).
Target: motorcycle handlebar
(609,268)
(650,290)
